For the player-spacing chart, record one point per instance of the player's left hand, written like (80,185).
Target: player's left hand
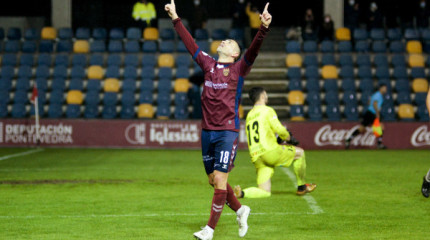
(265,17)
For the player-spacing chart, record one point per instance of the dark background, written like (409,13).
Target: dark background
(114,13)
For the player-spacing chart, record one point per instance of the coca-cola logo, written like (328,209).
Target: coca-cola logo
(420,137)
(336,137)
(135,133)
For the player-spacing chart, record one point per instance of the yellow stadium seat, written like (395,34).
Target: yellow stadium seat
(420,85)
(150,33)
(293,60)
(181,85)
(74,97)
(145,110)
(414,46)
(95,72)
(166,60)
(297,119)
(296,98)
(241,112)
(406,111)
(81,46)
(111,85)
(214,46)
(329,72)
(343,34)
(49,33)
(416,60)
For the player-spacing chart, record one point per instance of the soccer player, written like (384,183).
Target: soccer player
(425,188)
(262,125)
(220,123)
(373,112)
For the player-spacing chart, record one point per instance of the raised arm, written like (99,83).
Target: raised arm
(180,28)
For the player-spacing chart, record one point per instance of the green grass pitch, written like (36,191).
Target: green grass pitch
(164,194)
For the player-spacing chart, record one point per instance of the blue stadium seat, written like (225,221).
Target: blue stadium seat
(18,110)
(182,72)
(397,47)
(365,98)
(116,33)
(314,112)
(382,72)
(42,84)
(379,47)
(312,84)
(417,72)
(362,46)
(32,34)
(130,72)
(349,98)
(327,46)
(127,111)
(3,111)
(400,72)
(310,60)
(381,60)
(83,33)
(44,59)
(330,85)
(345,46)
(412,34)
(29,46)
(194,96)
(348,84)
(133,33)
(9,59)
(167,46)
(351,112)
(14,33)
(163,111)
(114,60)
(363,60)
(131,60)
(110,98)
(346,72)
(333,113)
(313,97)
(422,113)
(65,33)
(109,112)
(112,71)
(78,72)
(364,72)
(398,60)
(56,96)
(180,47)
(294,84)
(167,34)
(183,60)
(181,113)
(21,96)
(58,84)
(5,84)
(148,72)
(293,46)
(23,83)
(310,46)
(96,59)
(149,60)
(76,84)
(97,46)
(46,46)
(203,45)
(294,72)
(163,98)
(42,71)
(404,97)
(149,47)
(92,97)
(236,34)
(127,98)
(420,98)
(12,46)
(296,111)
(377,34)
(147,84)
(61,59)
(73,111)
(394,34)
(79,60)
(328,59)
(146,97)
(332,97)
(60,72)
(26,59)
(165,72)
(219,34)
(24,72)
(360,34)
(346,60)
(201,34)
(132,46)
(129,85)
(164,85)
(99,33)
(115,46)
(7,72)
(181,100)
(402,85)
(366,85)
(91,111)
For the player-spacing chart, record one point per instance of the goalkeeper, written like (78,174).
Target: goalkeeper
(262,125)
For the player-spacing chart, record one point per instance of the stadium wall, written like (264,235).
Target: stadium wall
(186,134)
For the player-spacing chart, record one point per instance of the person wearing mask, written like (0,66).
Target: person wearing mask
(422,15)
(327,29)
(352,14)
(144,14)
(375,17)
(309,29)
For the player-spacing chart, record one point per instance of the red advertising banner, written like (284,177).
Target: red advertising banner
(186,134)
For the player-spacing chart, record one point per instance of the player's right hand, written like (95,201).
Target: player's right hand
(171,10)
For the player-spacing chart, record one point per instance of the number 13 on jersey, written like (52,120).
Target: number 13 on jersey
(253,134)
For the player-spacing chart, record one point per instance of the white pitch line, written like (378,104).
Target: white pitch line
(145,215)
(21,154)
(316,209)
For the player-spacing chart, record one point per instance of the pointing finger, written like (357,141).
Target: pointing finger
(172,2)
(265,8)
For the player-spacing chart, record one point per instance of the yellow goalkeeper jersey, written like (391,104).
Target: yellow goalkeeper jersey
(262,125)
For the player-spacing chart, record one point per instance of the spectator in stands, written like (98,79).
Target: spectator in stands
(309,27)
(422,15)
(374,17)
(239,15)
(144,14)
(254,19)
(327,29)
(352,14)
(198,18)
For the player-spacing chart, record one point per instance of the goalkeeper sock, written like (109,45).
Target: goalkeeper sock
(428,176)
(232,201)
(300,170)
(254,192)
(218,201)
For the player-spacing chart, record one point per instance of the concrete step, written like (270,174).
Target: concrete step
(272,86)
(270,60)
(267,73)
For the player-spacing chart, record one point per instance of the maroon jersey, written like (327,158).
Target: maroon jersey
(223,82)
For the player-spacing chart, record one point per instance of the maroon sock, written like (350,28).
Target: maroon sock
(232,201)
(218,202)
